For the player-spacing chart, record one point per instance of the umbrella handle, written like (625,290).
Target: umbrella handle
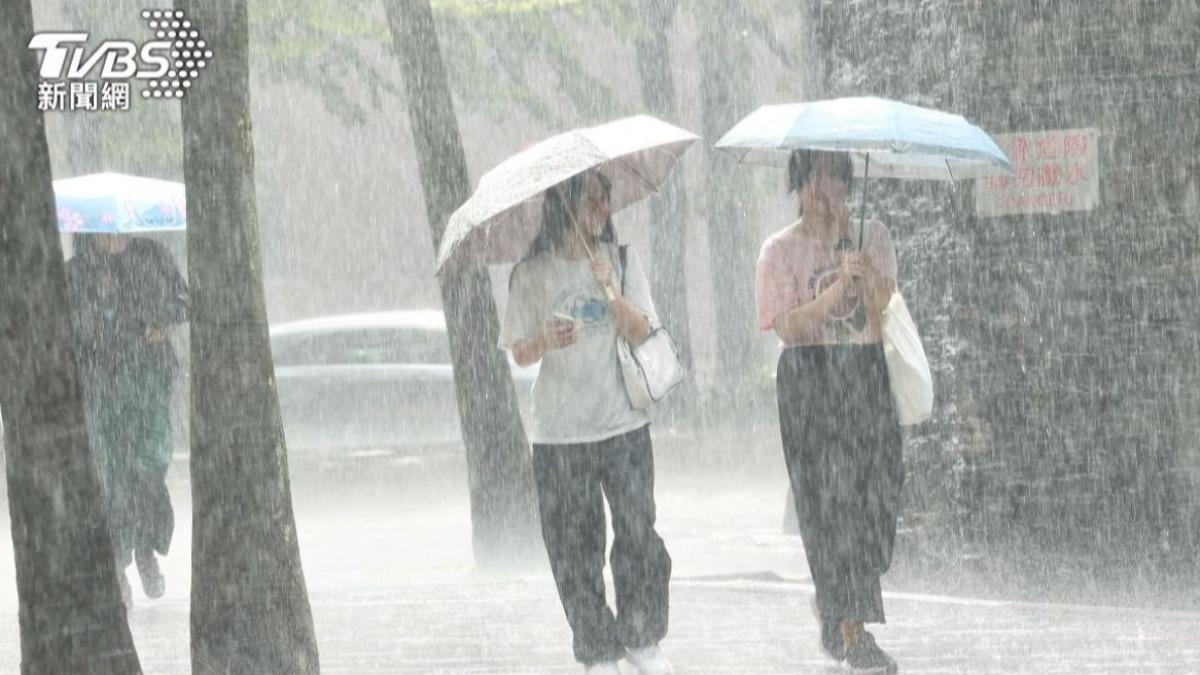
(862,213)
(608,291)
(574,224)
(579,233)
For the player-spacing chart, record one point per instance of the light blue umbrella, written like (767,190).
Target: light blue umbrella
(885,138)
(901,140)
(116,203)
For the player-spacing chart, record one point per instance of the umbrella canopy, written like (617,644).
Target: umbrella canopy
(500,220)
(116,203)
(902,140)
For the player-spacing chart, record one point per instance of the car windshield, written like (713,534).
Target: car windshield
(364,347)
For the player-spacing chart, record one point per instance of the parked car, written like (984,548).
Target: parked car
(377,387)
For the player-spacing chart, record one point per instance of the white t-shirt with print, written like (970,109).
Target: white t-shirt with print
(579,394)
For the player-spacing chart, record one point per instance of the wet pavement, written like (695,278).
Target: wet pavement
(394,590)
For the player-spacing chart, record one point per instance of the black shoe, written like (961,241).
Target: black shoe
(867,657)
(153,583)
(832,643)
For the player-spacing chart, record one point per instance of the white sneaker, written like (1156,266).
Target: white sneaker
(603,668)
(650,661)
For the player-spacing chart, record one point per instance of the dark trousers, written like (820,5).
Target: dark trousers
(572,482)
(129,422)
(842,446)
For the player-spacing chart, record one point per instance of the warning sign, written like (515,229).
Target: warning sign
(1055,171)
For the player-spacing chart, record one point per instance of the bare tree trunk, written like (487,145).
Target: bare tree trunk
(668,231)
(499,470)
(250,611)
(71,616)
(669,209)
(725,98)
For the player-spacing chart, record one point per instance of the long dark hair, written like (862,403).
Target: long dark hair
(556,220)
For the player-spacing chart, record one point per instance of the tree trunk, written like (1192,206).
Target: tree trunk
(499,471)
(1069,388)
(250,610)
(725,97)
(668,229)
(71,616)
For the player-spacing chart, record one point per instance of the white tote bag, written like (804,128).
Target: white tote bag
(651,369)
(908,369)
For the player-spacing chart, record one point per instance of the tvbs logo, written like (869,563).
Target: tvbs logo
(167,65)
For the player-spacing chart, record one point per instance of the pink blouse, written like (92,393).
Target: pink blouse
(794,268)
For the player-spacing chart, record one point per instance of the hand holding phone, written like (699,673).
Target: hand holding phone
(560,331)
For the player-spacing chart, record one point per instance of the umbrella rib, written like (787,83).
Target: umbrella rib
(634,171)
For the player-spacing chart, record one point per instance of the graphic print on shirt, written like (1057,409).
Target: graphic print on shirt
(586,307)
(849,317)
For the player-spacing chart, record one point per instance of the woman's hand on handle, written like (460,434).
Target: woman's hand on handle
(602,272)
(855,267)
(791,326)
(876,288)
(632,324)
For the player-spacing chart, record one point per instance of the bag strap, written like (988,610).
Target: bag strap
(621,256)
(513,272)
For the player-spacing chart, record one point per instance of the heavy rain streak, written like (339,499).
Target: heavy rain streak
(617,337)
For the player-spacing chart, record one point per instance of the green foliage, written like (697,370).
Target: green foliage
(144,140)
(344,48)
(497,52)
(490,75)
(331,46)
(484,7)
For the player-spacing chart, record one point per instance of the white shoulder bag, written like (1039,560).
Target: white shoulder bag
(908,369)
(651,369)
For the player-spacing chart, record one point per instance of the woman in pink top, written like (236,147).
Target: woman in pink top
(824,297)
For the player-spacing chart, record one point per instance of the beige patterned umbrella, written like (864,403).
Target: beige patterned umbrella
(497,224)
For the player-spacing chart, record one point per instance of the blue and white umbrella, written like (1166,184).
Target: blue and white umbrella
(116,203)
(885,138)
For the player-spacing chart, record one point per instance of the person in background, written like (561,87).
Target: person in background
(125,293)
(824,298)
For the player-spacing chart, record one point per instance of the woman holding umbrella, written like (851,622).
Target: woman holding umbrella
(572,293)
(823,286)
(566,308)
(824,299)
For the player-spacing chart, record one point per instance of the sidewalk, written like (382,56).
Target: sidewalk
(730,626)
(393,590)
